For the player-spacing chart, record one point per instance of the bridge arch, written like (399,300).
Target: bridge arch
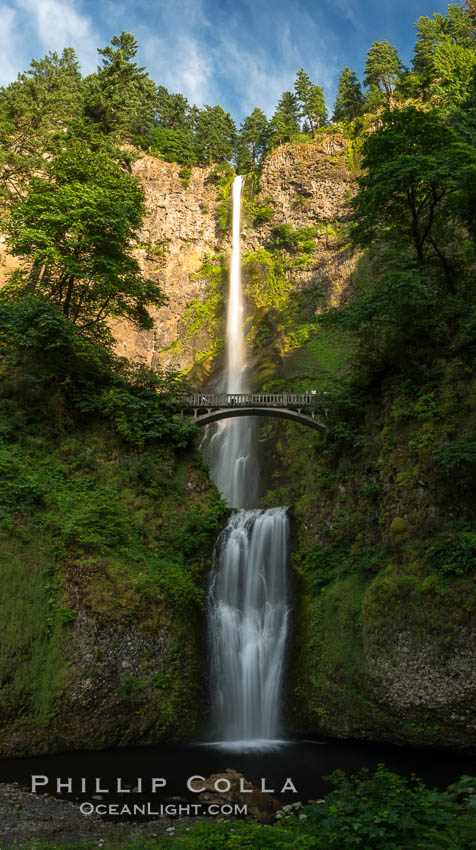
(208,408)
(281,413)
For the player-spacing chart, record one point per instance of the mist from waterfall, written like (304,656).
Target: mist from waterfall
(247,601)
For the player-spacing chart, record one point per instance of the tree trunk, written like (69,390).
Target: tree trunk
(67,300)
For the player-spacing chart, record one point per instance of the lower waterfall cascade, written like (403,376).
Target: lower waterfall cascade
(248,608)
(248,622)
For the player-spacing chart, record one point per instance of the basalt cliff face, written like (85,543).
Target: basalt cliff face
(186,248)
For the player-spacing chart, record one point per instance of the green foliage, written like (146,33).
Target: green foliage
(206,316)
(262,214)
(131,688)
(120,96)
(382,67)
(442,32)
(223,177)
(285,121)
(416,172)
(458,458)
(349,99)
(453,551)
(455,67)
(173,145)
(52,358)
(34,110)
(312,101)
(74,228)
(185,174)
(215,134)
(252,141)
(97,488)
(383,809)
(342,555)
(174,111)
(301,241)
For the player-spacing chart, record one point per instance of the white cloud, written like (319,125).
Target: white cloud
(241,55)
(347,10)
(10,48)
(55,24)
(182,65)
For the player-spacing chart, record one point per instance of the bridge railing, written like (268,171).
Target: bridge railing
(253,399)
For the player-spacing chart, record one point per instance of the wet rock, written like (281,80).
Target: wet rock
(261,805)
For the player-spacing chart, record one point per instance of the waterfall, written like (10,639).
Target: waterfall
(248,617)
(247,601)
(229,446)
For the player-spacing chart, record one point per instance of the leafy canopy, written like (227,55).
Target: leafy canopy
(416,172)
(73,230)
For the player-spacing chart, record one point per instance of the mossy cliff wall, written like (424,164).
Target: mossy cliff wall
(104,553)
(384,641)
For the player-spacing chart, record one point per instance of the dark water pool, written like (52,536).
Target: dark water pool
(305,762)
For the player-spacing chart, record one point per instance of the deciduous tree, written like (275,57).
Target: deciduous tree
(74,229)
(414,191)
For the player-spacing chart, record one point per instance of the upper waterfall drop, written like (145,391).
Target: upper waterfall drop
(230,448)
(234,323)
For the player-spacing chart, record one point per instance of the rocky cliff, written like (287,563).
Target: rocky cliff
(186,247)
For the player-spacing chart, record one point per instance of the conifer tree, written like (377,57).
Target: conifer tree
(173,110)
(35,111)
(253,138)
(349,98)
(445,56)
(285,121)
(312,101)
(120,96)
(215,134)
(382,68)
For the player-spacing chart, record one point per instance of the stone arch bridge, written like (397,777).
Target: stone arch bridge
(211,407)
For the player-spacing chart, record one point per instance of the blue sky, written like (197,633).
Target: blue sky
(239,53)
